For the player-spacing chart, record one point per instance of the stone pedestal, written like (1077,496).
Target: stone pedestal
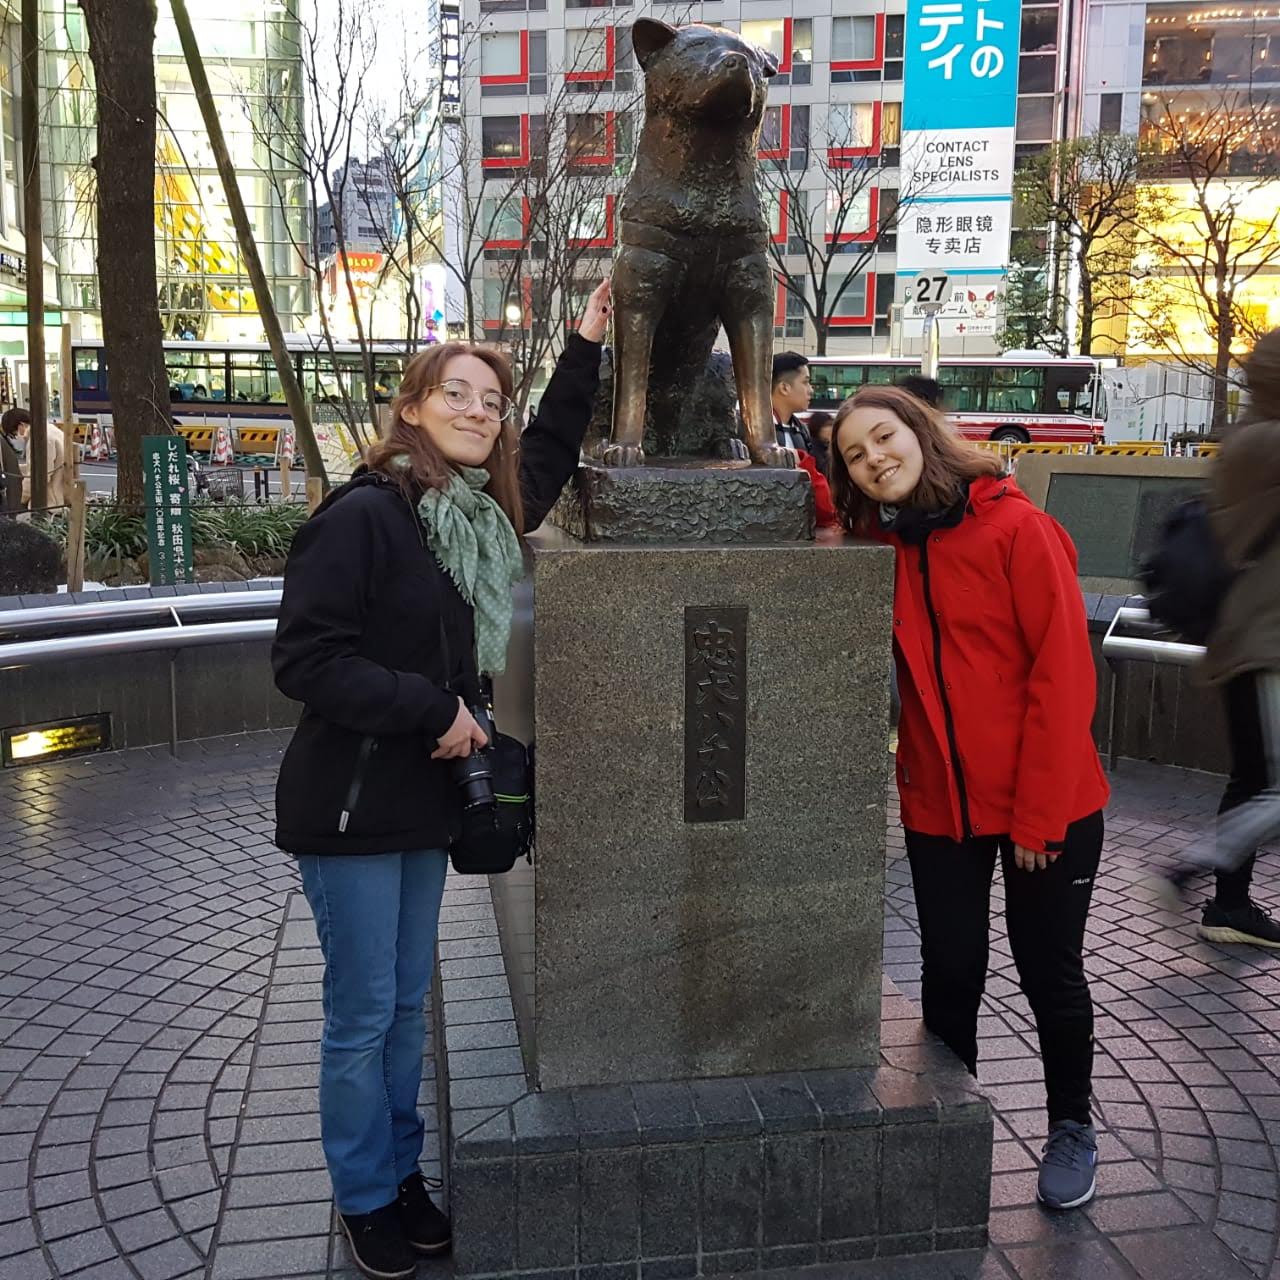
(675,938)
(693,962)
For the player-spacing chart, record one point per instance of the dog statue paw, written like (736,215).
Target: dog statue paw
(775,455)
(623,455)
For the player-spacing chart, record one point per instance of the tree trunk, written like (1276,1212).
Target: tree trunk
(1221,372)
(1087,307)
(38,387)
(121,45)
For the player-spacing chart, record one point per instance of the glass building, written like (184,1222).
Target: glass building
(253,60)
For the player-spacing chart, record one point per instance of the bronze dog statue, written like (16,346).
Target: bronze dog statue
(694,238)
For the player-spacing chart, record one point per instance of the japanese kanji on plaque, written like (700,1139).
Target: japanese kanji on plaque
(715,714)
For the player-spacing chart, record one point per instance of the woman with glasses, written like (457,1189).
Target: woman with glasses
(397,599)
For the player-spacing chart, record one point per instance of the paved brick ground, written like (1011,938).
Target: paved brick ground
(159,1009)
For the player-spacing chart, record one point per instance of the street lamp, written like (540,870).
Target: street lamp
(513,313)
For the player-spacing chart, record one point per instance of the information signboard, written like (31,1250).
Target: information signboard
(168,509)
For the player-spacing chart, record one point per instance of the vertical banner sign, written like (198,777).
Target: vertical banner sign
(715,714)
(960,105)
(164,475)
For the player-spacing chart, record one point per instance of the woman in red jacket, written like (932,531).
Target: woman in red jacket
(995,753)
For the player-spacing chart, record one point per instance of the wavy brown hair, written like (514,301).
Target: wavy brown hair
(428,468)
(949,462)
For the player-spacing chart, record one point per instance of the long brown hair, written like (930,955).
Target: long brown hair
(428,468)
(949,462)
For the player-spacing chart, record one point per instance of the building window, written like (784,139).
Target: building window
(801,50)
(1188,46)
(851,215)
(1039,31)
(590,55)
(852,306)
(504,141)
(502,221)
(1035,119)
(853,39)
(894,43)
(774,35)
(591,225)
(1036,73)
(775,133)
(504,57)
(853,129)
(589,137)
(1110,113)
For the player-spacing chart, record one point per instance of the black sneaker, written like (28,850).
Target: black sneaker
(378,1245)
(425,1228)
(1248,924)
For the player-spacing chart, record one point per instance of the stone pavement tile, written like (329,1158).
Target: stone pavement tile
(1188,1253)
(1086,1260)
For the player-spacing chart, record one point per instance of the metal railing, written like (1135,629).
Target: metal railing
(61,633)
(1135,636)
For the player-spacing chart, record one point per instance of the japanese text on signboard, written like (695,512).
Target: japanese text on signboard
(168,514)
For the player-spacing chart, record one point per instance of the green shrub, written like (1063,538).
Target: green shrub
(114,534)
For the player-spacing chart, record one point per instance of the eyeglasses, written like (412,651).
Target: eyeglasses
(460,396)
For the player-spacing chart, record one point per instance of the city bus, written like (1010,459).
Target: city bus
(236,385)
(1020,397)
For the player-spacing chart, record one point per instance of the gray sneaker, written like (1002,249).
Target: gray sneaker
(1067,1170)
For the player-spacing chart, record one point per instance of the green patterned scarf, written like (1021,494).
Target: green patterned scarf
(473,539)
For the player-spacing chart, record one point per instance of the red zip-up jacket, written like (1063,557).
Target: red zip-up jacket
(995,675)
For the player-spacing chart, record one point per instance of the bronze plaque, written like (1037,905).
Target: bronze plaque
(715,714)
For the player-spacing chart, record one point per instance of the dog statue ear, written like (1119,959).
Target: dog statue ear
(649,36)
(768,62)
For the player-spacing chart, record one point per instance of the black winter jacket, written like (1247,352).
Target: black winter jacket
(358,642)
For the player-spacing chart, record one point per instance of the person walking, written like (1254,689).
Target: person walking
(13,426)
(996,759)
(397,599)
(1243,659)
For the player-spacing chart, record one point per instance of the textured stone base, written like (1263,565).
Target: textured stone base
(709,503)
(712,1177)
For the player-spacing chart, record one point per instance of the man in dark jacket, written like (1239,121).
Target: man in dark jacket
(792,392)
(1243,657)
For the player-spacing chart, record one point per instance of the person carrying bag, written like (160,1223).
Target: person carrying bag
(397,604)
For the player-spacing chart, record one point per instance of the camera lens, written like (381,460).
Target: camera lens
(475,781)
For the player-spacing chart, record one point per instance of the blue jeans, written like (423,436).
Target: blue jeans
(376,916)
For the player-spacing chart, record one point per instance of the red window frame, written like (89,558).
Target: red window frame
(503,162)
(838,154)
(875,62)
(525,220)
(610,61)
(867,234)
(526,301)
(523,77)
(610,142)
(600,242)
(780,302)
(868,317)
(784,134)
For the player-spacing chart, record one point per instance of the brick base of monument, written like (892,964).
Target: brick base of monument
(714,1177)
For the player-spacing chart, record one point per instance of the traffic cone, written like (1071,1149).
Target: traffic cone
(222,453)
(288,445)
(97,450)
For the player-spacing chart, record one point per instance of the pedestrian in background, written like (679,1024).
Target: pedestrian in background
(926,389)
(996,758)
(12,430)
(820,425)
(397,599)
(1243,658)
